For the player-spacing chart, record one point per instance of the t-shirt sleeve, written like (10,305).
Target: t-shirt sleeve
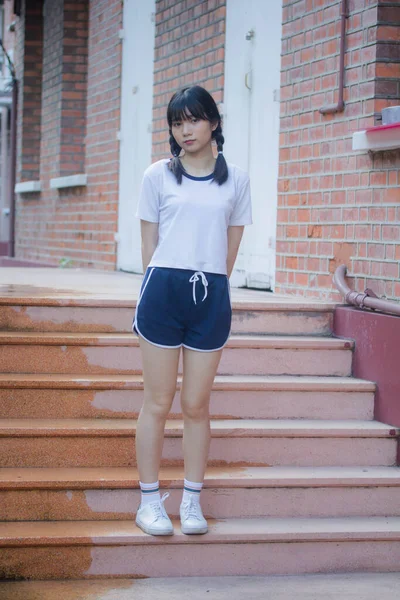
(242,213)
(149,200)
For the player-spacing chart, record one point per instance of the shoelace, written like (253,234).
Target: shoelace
(192,510)
(194,278)
(159,508)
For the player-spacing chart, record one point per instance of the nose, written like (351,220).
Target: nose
(186,127)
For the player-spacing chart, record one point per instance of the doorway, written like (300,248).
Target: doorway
(136,124)
(251,127)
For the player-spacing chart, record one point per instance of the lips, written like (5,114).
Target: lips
(189,141)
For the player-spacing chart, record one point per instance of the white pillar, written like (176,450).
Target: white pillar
(4,172)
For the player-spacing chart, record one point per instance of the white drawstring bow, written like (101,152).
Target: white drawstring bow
(194,278)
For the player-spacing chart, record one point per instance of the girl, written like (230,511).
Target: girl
(193,209)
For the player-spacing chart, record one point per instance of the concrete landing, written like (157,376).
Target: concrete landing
(359,586)
(20,282)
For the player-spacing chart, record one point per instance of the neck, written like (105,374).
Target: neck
(199,164)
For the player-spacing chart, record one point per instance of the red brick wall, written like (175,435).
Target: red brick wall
(335,205)
(74,88)
(103,124)
(80,85)
(29,44)
(189,50)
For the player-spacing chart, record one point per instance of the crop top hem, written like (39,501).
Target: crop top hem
(208,267)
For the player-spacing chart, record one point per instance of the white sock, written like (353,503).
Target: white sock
(191,489)
(150,493)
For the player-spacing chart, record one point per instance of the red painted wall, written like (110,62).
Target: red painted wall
(376,355)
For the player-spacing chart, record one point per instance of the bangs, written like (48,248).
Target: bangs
(182,105)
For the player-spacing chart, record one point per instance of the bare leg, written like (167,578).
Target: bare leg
(160,369)
(199,369)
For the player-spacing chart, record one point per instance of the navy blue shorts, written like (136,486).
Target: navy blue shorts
(181,307)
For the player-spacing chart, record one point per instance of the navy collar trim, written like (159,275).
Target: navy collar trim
(205,178)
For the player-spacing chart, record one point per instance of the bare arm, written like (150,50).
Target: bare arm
(149,233)
(235,233)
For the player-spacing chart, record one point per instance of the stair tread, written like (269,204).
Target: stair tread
(233,530)
(64,299)
(128,339)
(250,382)
(230,476)
(348,586)
(219,427)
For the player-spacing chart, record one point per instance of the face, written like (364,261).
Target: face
(198,130)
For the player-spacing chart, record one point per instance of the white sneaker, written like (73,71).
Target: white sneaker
(153,519)
(192,519)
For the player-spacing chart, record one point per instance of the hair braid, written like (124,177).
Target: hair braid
(221,167)
(219,138)
(175,147)
(175,164)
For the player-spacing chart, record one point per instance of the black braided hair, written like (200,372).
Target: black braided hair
(199,102)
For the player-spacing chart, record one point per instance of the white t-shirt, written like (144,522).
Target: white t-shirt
(193,217)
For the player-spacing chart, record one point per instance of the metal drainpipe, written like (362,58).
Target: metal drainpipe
(366,299)
(339,107)
(13,159)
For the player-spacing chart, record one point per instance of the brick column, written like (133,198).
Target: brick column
(74,88)
(387,70)
(29,58)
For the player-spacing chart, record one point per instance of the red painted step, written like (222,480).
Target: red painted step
(284,316)
(120,353)
(93,549)
(233,397)
(113,493)
(76,442)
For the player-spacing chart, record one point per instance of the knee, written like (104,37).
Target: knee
(195,412)
(157,407)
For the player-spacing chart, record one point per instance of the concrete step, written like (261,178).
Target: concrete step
(113,493)
(346,586)
(120,353)
(121,396)
(76,442)
(90,549)
(283,316)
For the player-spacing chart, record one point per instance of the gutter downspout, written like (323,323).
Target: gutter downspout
(13,161)
(13,149)
(367,299)
(339,107)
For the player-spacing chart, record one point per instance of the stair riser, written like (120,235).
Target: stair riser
(127,360)
(90,320)
(122,504)
(245,451)
(156,560)
(74,404)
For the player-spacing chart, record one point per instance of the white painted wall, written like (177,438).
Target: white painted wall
(251,126)
(136,123)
